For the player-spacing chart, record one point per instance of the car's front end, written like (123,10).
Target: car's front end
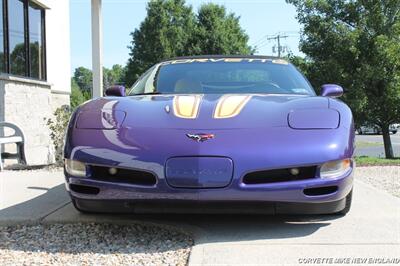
(211,153)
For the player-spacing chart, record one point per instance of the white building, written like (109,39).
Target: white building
(35,69)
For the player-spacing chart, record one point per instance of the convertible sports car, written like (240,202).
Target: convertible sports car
(215,134)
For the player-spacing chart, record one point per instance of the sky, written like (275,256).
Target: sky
(259,18)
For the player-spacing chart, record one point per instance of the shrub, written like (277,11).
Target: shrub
(58,125)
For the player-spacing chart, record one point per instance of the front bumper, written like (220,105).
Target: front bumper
(209,207)
(282,197)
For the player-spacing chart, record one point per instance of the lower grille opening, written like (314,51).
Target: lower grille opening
(319,191)
(279,175)
(84,189)
(120,175)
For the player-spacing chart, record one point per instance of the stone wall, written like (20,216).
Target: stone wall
(58,99)
(2,82)
(28,104)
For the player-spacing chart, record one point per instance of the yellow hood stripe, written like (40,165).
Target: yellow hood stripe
(230,105)
(187,106)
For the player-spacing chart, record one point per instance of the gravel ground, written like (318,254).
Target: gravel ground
(28,168)
(383,177)
(93,244)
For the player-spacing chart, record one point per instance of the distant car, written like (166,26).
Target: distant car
(395,128)
(213,134)
(373,129)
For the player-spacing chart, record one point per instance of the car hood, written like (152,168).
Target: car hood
(213,111)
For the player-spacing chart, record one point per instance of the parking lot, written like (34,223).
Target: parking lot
(372,145)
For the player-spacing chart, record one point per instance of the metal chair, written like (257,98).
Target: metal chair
(18,138)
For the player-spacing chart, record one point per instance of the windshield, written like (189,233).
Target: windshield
(223,76)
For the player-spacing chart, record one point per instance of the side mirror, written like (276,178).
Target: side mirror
(118,91)
(331,90)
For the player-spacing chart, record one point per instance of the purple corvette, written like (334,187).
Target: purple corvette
(215,134)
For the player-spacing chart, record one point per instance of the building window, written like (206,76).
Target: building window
(2,55)
(36,41)
(23,52)
(16,37)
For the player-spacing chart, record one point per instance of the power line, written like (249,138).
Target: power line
(267,39)
(278,38)
(261,40)
(266,42)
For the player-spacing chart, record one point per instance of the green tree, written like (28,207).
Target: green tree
(84,78)
(77,96)
(35,54)
(302,64)
(2,62)
(356,43)
(17,60)
(163,34)
(218,32)
(172,29)
(114,76)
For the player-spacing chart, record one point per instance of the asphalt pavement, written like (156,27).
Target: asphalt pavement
(372,145)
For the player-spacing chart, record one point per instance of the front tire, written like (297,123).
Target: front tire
(348,204)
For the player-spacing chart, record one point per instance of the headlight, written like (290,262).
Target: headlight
(335,168)
(75,168)
(314,119)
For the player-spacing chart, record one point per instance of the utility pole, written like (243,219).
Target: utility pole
(97,53)
(278,39)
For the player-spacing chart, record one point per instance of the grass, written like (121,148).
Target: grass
(366,144)
(373,161)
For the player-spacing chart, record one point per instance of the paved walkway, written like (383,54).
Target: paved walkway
(370,230)
(29,196)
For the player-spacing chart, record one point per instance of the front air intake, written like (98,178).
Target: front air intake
(280,175)
(122,175)
(320,191)
(83,189)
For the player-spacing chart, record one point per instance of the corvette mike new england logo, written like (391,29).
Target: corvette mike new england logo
(200,137)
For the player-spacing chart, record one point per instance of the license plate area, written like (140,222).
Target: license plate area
(199,172)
